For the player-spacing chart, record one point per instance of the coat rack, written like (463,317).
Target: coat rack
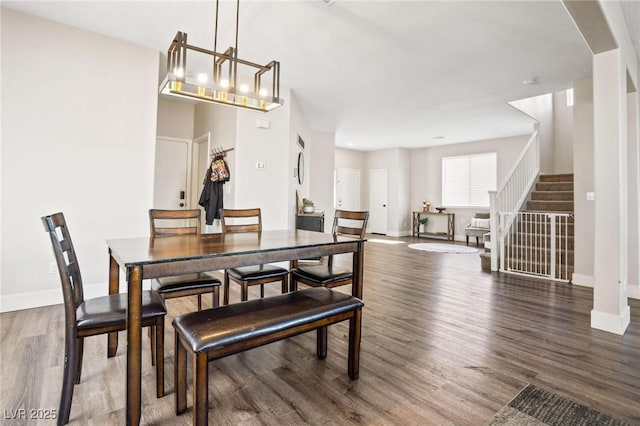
(220,152)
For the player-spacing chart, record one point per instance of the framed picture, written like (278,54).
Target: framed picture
(300,168)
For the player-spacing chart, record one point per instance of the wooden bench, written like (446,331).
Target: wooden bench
(215,333)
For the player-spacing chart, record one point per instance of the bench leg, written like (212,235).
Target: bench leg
(200,389)
(355,327)
(321,344)
(180,377)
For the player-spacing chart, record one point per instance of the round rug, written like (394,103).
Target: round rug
(443,248)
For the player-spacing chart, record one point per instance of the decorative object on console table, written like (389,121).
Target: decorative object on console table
(425,206)
(448,226)
(307,206)
(423,223)
(441,209)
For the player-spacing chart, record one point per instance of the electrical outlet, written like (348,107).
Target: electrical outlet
(53,268)
(591,196)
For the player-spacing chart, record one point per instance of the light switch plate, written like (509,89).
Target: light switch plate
(591,196)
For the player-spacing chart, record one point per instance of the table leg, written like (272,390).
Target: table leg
(114,288)
(358,263)
(134,344)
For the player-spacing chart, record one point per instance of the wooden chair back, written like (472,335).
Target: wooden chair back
(182,222)
(240,220)
(350,223)
(67,262)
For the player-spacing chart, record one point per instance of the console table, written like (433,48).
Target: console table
(439,224)
(310,221)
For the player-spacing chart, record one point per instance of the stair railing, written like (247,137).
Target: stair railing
(510,197)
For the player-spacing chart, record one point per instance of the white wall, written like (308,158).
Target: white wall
(562,134)
(322,164)
(540,108)
(77,137)
(175,119)
(298,126)
(583,182)
(426,172)
(268,188)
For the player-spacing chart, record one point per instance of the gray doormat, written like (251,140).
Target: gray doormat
(534,406)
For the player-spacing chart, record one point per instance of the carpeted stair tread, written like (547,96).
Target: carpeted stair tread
(552,195)
(557,177)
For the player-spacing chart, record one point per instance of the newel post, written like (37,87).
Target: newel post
(493,229)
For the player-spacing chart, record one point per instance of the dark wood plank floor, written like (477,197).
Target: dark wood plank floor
(442,343)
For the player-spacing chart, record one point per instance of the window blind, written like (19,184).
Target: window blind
(467,179)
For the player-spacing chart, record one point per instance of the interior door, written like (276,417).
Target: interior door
(378,198)
(347,191)
(171,182)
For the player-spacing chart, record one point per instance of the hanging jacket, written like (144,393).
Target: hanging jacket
(211,198)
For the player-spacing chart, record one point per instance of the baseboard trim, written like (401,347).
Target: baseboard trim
(398,233)
(610,322)
(37,299)
(583,280)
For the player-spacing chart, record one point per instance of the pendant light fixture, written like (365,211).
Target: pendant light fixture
(228,80)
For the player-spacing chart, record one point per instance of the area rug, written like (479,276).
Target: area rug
(535,406)
(443,248)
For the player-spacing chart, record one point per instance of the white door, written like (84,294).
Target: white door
(200,162)
(171,183)
(378,197)
(347,191)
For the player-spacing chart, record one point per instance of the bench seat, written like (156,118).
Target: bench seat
(215,333)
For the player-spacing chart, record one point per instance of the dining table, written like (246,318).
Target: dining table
(146,258)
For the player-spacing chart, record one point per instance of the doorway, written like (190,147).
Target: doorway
(347,192)
(378,198)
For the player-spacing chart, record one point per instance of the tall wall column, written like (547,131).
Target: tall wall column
(610,309)
(633,289)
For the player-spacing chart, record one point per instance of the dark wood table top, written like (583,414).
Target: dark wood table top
(143,251)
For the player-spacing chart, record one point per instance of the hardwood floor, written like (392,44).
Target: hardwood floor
(443,343)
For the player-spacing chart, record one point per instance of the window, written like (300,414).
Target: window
(466,179)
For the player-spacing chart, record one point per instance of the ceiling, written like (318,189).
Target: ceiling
(377,73)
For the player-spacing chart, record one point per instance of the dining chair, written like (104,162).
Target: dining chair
(166,223)
(325,274)
(249,220)
(100,315)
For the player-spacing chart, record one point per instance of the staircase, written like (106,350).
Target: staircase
(540,241)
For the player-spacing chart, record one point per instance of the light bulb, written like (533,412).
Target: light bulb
(224,83)
(202,78)
(179,72)
(244,88)
(263,92)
